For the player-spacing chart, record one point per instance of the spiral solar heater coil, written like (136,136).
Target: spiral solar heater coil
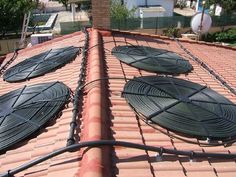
(182,106)
(26,110)
(41,64)
(153,60)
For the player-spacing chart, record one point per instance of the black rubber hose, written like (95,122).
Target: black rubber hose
(224,143)
(78,91)
(4,67)
(204,65)
(110,42)
(99,143)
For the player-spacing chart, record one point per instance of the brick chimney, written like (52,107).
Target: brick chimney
(101,14)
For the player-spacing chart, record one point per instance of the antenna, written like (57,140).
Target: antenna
(199,27)
(201,22)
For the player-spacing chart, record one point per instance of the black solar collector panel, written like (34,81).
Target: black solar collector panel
(41,64)
(182,106)
(152,59)
(26,110)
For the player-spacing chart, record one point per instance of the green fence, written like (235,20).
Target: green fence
(223,20)
(70,27)
(166,22)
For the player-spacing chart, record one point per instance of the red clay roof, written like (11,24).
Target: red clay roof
(127,126)
(106,115)
(52,137)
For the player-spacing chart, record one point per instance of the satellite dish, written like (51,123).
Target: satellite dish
(199,27)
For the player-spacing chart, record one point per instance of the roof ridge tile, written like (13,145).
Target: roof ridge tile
(92,164)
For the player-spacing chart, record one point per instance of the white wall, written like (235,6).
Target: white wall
(131,4)
(168,5)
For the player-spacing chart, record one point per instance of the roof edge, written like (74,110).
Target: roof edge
(9,55)
(168,38)
(47,43)
(51,41)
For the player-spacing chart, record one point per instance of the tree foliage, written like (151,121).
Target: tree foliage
(64,2)
(172,32)
(120,12)
(228,36)
(229,6)
(12,14)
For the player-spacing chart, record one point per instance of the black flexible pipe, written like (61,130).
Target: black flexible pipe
(4,67)
(80,86)
(110,42)
(75,147)
(224,142)
(210,144)
(78,91)
(104,79)
(204,65)
(91,144)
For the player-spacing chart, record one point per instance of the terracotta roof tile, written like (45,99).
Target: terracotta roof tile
(124,120)
(106,114)
(54,136)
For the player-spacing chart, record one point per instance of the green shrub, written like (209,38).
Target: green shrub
(120,13)
(171,32)
(224,36)
(227,36)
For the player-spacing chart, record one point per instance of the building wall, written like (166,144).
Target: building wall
(101,10)
(101,13)
(8,45)
(168,5)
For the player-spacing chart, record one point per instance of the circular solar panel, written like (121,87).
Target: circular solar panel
(182,106)
(26,110)
(40,64)
(151,59)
